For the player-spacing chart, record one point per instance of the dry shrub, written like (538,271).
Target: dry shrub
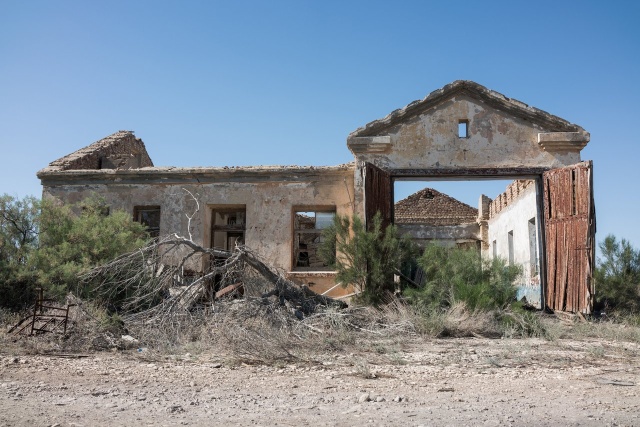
(608,330)
(255,333)
(460,321)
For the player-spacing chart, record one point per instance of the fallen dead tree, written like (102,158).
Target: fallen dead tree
(158,283)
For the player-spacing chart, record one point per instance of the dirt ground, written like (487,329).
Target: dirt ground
(422,382)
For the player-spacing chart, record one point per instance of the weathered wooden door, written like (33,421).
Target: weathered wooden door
(378,194)
(570,227)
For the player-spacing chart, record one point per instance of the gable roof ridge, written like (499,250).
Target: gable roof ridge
(440,209)
(418,195)
(476,91)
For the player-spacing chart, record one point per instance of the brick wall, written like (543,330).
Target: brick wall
(512,193)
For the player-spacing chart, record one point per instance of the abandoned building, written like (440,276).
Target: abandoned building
(431,216)
(463,131)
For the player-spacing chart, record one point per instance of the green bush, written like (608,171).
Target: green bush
(71,244)
(44,244)
(617,276)
(366,259)
(18,241)
(460,275)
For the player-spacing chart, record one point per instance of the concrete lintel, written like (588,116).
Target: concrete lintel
(563,141)
(369,144)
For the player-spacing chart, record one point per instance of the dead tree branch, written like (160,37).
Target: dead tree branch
(173,276)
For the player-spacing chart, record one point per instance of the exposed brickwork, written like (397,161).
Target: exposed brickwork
(432,207)
(121,150)
(512,193)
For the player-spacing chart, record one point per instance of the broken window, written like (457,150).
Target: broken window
(227,227)
(308,227)
(149,216)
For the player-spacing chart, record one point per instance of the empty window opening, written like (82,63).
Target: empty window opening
(495,249)
(227,227)
(308,228)
(149,216)
(533,252)
(511,249)
(463,129)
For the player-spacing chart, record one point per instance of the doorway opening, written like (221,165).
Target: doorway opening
(492,216)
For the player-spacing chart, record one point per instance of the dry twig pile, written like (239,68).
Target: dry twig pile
(165,285)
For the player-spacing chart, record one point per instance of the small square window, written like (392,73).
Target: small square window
(463,129)
(148,216)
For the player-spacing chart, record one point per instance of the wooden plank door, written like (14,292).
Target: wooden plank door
(570,226)
(378,194)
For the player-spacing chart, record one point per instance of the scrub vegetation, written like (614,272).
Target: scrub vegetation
(46,245)
(457,294)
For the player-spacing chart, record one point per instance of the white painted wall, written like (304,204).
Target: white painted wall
(515,218)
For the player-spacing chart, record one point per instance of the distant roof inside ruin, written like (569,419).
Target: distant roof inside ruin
(431,207)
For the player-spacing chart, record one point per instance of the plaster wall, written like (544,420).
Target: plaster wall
(269,201)
(430,140)
(495,140)
(515,218)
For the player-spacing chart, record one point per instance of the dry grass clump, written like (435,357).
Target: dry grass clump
(618,330)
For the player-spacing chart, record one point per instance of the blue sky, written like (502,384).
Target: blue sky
(284,82)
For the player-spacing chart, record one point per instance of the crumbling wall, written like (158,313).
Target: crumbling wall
(467,235)
(513,235)
(431,216)
(270,195)
(495,139)
(121,150)
(514,191)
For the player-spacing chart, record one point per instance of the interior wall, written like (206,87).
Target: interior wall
(510,237)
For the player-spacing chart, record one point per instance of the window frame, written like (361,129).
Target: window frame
(137,210)
(295,245)
(236,230)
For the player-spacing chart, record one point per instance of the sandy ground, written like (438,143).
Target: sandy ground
(429,382)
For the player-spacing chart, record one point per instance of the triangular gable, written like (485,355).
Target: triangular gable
(121,150)
(475,91)
(467,126)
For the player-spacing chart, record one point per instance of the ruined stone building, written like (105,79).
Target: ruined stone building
(431,216)
(462,131)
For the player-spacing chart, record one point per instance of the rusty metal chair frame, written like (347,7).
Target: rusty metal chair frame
(41,321)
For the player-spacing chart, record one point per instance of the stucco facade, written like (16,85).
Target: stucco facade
(269,196)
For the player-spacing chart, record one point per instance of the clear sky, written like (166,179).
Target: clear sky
(210,83)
